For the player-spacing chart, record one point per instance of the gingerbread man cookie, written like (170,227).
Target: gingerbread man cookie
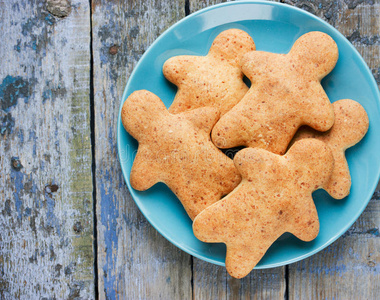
(213,80)
(285,93)
(177,150)
(351,125)
(274,197)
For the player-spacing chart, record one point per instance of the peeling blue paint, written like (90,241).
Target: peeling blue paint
(56,143)
(37,199)
(27,27)
(109,215)
(49,19)
(21,136)
(27,212)
(107,34)
(33,44)
(51,218)
(111,140)
(56,127)
(15,7)
(53,92)
(11,89)
(121,180)
(7,122)
(17,178)
(33,137)
(103,56)
(17,47)
(37,31)
(373,231)
(47,94)
(42,165)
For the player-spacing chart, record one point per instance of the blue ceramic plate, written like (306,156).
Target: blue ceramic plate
(274,27)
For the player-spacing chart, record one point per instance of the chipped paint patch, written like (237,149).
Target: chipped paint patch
(373,231)
(6,123)
(37,32)
(11,89)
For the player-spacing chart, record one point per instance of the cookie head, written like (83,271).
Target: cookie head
(312,161)
(317,52)
(140,111)
(231,45)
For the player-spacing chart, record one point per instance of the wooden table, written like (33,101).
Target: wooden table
(68,226)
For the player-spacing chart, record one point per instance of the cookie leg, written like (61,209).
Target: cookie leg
(305,224)
(241,259)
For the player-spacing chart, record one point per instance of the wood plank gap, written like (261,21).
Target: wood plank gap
(187,7)
(93,162)
(187,12)
(286,295)
(192,278)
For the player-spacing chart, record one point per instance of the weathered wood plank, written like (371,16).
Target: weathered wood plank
(349,268)
(134,261)
(46,220)
(213,282)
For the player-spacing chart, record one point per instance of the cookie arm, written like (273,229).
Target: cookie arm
(320,113)
(145,172)
(339,184)
(174,68)
(208,225)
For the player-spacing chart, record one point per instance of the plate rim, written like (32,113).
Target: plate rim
(120,127)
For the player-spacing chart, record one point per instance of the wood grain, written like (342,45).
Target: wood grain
(134,260)
(46,220)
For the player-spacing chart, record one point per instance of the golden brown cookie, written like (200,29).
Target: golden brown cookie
(274,197)
(285,93)
(177,150)
(213,80)
(351,125)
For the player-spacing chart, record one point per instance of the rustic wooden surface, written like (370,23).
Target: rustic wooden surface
(46,203)
(134,261)
(64,65)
